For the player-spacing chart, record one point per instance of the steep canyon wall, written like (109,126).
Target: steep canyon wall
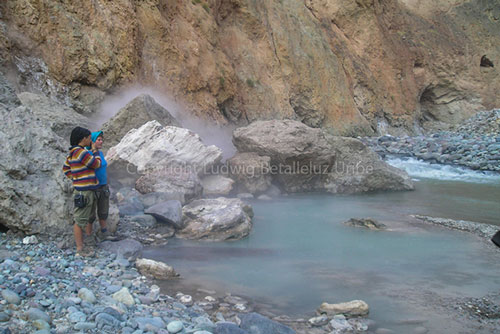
(353,67)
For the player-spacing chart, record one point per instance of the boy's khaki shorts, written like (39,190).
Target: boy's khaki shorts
(85,215)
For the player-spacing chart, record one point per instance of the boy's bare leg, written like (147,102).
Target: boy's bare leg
(77,230)
(102,222)
(88,229)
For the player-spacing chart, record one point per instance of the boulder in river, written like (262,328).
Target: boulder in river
(354,308)
(216,219)
(158,270)
(369,223)
(309,159)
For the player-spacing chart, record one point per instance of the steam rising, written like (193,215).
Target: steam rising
(211,134)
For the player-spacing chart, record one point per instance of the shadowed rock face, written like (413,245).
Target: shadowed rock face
(352,67)
(308,159)
(34,193)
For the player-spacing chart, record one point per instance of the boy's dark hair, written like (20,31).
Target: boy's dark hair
(77,135)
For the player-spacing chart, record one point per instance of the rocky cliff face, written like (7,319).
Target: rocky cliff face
(352,67)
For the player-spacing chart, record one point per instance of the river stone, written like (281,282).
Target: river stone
(369,223)
(41,324)
(127,248)
(124,296)
(143,322)
(4,317)
(34,314)
(31,240)
(251,172)
(76,317)
(309,159)
(84,326)
(214,185)
(339,324)
(136,113)
(204,323)
(143,220)
(105,319)
(318,321)
(228,328)
(216,219)
(153,147)
(11,297)
(130,206)
(158,270)
(175,326)
(86,295)
(255,323)
(354,308)
(113,312)
(169,212)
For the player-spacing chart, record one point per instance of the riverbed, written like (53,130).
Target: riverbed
(300,253)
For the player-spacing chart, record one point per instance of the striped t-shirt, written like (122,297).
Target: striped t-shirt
(80,167)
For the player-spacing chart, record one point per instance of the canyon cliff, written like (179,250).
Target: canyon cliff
(353,68)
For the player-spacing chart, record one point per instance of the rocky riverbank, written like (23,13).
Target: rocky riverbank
(46,288)
(474,144)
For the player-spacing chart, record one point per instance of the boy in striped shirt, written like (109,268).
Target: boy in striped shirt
(80,167)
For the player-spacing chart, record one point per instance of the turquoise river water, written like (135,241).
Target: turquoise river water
(300,254)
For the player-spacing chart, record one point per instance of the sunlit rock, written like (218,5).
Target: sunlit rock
(354,308)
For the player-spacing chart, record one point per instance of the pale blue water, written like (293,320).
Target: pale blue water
(299,253)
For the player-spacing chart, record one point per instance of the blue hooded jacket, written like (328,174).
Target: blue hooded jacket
(101,172)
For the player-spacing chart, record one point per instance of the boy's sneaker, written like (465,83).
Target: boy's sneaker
(106,235)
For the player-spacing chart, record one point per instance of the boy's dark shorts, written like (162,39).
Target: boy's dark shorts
(102,199)
(85,215)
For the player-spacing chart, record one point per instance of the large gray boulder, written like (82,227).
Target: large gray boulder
(153,148)
(251,172)
(308,159)
(216,219)
(169,212)
(136,113)
(34,193)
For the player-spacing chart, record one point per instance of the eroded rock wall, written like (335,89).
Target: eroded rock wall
(352,67)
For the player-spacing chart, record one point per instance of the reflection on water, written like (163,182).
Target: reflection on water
(299,253)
